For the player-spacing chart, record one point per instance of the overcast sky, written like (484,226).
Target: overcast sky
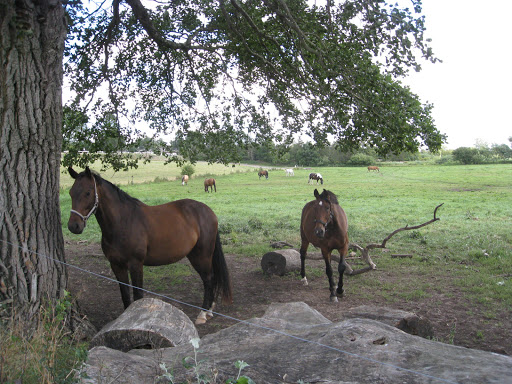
(471,89)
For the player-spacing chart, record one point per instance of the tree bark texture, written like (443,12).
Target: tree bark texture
(32,35)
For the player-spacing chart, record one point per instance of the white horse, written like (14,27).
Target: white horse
(289,172)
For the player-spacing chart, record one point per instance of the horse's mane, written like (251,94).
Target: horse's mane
(328,195)
(122,195)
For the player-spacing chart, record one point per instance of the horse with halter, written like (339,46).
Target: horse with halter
(209,183)
(184,180)
(324,224)
(263,173)
(134,234)
(373,168)
(317,177)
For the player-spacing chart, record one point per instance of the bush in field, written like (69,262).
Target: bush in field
(466,155)
(361,159)
(188,169)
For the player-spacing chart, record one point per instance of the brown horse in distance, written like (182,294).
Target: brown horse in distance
(263,173)
(209,183)
(134,234)
(373,168)
(184,180)
(316,176)
(324,224)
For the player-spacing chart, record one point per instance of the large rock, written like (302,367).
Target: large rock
(146,323)
(280,262)
(293,342)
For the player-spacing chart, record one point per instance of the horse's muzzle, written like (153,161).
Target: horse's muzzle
(75,227)
(320,232)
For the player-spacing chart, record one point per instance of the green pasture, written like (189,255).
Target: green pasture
(468,250)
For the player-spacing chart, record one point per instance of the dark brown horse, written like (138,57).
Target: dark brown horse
(135,234)
(263,173)
(209,183)
(324,224)
(316,176)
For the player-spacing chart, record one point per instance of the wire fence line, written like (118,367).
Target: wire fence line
(276,331)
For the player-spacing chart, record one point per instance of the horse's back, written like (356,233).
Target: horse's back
(174,229)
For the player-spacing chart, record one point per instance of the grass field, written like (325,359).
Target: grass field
(472,242)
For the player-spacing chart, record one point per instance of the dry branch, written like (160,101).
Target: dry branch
(365,252)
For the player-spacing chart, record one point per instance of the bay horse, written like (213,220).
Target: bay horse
(134,234)
(263,173)
(373,168)
(317,177)
(184,180)
(209,183)
(324,224)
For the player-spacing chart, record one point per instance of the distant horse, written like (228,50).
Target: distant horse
(184,180)
(135,234)
(373,168)
(317,177)
(289,172)
(263,173)
(210,183)
(324,224)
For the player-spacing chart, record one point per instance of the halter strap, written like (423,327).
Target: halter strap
(94,207)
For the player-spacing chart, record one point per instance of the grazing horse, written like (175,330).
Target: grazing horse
(324,224)
(373,168)
(184,180)
(263,173)
(209,183)
(134,234)
(289,172)
(317,177)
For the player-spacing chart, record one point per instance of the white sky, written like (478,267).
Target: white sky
(471,88)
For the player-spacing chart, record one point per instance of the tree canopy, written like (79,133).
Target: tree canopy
(227,74)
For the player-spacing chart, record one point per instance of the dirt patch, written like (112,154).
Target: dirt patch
(454,320)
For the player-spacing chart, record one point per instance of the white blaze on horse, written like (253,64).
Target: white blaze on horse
(184,180)
(289,172)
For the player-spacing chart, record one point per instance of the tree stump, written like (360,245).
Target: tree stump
(147,323)
(281,262)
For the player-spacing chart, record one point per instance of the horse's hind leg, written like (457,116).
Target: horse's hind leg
(205,271)
(136,274)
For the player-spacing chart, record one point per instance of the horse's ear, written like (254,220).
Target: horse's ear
(316,193)
(72,173)
(88,172)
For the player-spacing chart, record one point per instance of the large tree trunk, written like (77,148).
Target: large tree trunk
(32,35)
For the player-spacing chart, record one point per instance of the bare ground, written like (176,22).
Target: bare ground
(453,318)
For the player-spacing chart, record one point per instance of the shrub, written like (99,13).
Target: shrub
(188,169)
(360,159)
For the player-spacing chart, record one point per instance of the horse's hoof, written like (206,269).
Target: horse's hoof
(304,281)
(200,321)
(334,299)
(340,294)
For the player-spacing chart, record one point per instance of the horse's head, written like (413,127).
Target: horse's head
(84,199)
(322,212)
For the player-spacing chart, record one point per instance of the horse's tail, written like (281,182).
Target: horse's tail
(322,181)
(221,280)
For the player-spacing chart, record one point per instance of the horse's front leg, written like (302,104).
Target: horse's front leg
(303,249)
(121,273)
(137,276)
(328,272)
(341,270)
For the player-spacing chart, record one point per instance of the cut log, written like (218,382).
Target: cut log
(147,323)
(281,262)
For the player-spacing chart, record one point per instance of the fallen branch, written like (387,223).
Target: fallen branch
(365,252)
